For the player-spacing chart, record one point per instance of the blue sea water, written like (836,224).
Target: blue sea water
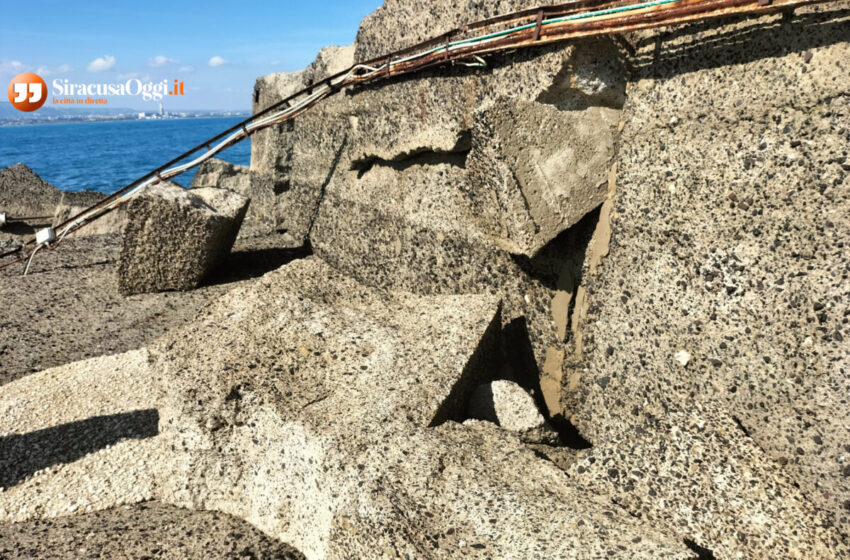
(104,156)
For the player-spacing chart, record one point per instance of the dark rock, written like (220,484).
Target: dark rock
(24,194)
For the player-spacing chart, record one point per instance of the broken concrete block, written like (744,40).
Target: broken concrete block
(535,170)
(223,175)
(283,178)
(173,238)
(260,218)
(505,403)
(345,445)
(344,366)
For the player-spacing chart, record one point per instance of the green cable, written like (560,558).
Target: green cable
(611,11)
(573,17)
(565,18)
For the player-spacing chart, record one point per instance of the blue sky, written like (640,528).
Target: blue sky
(217,48)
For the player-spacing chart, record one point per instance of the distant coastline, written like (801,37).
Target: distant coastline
(119,117)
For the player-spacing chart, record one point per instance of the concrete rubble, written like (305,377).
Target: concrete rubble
(220,174)
(506,404)
(174,238)
(31,203)
(351,447)
(535,170)
(70,206)
(641,252)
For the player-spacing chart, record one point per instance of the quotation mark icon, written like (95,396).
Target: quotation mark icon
(27,92)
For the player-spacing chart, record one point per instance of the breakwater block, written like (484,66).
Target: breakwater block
(174,238)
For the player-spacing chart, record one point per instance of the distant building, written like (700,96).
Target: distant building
(141,115)
(161,113)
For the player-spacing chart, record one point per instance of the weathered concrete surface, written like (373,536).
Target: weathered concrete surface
(376,179)
(403,119)
(79,438)
(174,238)
(545,168)
(70,206)
(730,242)
(333,453)
(286,205)
(414,21)
(331,450)
(221,174)
(474,491)
(406,226)
(386,195)
(83,437)
(696,473)
(23,194)
(305,404)
(149,530)
(85,314)
(349,365)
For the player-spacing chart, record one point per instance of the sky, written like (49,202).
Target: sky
(216,48)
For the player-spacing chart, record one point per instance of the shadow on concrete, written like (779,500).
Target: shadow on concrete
(21,455)
(19,228)
(563,254)
(521,367)
(244,265)
(752,40)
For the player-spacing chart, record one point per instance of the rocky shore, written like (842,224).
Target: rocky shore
(588,301)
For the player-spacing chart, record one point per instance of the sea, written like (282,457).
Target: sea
(105,156)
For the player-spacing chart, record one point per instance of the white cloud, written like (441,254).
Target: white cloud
(275,62)
(217,61)
(161,61)
(100,64)
(186,69)
(43,71)
(7,66)
(65,68)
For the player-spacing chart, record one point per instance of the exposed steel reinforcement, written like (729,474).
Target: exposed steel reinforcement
(466,44)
